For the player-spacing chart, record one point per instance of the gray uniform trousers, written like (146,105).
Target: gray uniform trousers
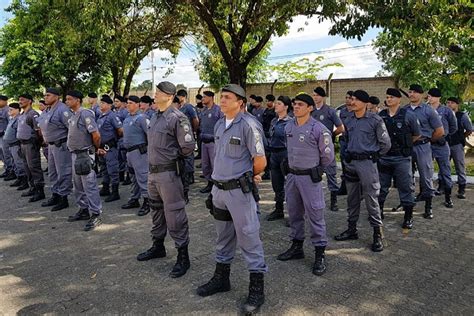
(7,158)
(398,168)
(60,169)
(19,165)
(303,196)
(165,190)
(86,190)
(207,159)
(423,157)
(457,154)
(362,177)
(277,177)
(244,229)
(331,171)
(111,174)
(139,163)
(32,162)
(441,155)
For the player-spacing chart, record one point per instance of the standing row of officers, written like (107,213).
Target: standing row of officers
(297,146)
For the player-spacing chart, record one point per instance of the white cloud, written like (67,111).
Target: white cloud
(312,29)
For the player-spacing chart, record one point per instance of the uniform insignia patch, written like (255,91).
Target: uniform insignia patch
(321,117)
(186,128)
(326,138)
(259,147)
(66,113)
(301,138)
(327,150)
(89,126)
(88,120)
(188,138)
(399,125)
(209,115)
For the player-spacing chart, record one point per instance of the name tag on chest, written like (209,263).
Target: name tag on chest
(234,140)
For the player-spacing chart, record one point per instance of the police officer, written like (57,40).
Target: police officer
(14,147)
(267,118)
(404,130)
(329,118)
(210,114)
(110,129)
(5,156)
(440,147)
(431,130)
(170,139)
(277,147)
(146,106)
(44,112)
(54,128)
(239,144)
(457,141)
(29,135)
(82,140)
(94,104)
(135,128)
(374,104)
(310,151)
(121,112)
(258,109)
(343,112)
(367,140)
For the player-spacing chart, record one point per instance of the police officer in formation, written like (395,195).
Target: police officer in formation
(5,155)
(374,104)
(329,118)
(170,139)
(83,140)
(239,143)
(210,114)
(367,140)
(135,128)
(431,130)
(267,118)
(404,130)
(146,106)
(457,141)
(120,109)
(440,147)
(310,151)
(278,149)
(343,112)
(110,129)
(258,109)
(94,104)
(54,128)
(29,135)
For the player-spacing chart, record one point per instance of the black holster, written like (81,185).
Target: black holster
(83,164)
(317,174)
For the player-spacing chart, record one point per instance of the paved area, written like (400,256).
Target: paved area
(49,266)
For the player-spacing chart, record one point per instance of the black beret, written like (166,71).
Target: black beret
(350,92)
(120,98)
(182,93)
(455,100)
(374,100)
(146,99)
(270,97)
(235,89)
(416,88)
(198,97)
(167,87)
(306,98)
(76,94)
(208,93)
(134,98)
(53,91)
(435,92)
(285,99)
(26,96)
(14,105)
(320,91)
(258,99)
(92,95)
(394,92)
(252,96)
(105,98)
(3,97)
(43,102)
(361,95)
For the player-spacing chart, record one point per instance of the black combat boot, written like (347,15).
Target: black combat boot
(30,192)
(132,203)
(319,266)
(381,204)
(440,190)
(81,215)
(207,188)
(157,250)
(145,209)
(447,198)
(105,190)
(10,176)
(294,252)
(62,204)
(127,179)
(24,185)
(53,200)
(461,192)
(408,218)
(219,282)
(94,221)
(18,182)
(182,263)
(256,294)
(114,196)
(377,245)
(349,234)
(277,213)
(428,208)
(39,194)
(122,176)
(334,206)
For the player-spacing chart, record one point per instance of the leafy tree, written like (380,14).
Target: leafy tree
(144,85)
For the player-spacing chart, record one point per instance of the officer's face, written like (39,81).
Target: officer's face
(433,100)
(280,107)
(270,104)
(144,106)
(301,108)
(348,100)
(392,101)
(414,96)
(162,98)
(117,103)
(72,102)
(50,98)
(42,106)
(206,100)
(132,106)
(91,101)
(229,102)
(357,105)
(317,98)
(452,105)
(13,112)
(104,106)
(3,103)
(24,102)
(181,99)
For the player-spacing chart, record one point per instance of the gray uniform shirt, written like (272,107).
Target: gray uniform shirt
(27,125)
(54,123)
(81,125)
(209,118)
(367,134)
(427,117)
(170,137)
(448,118)
(10,132)
(327,116)
(236,146)
(135,128)
(258,113)
(3,119)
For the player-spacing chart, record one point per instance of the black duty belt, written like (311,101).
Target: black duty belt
(356,156)
(17,143)
(421,142)
(135,147)
(304,172)
(27,141)
(207,140)
(110,144)
(227,185)
(58,142)
(277,150)
(163,168)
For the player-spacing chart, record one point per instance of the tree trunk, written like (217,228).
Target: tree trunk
(237,74)
(128,79)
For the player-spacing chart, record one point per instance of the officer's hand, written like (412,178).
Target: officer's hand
(257,179)
(101,152)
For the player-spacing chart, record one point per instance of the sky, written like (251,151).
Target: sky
(357,57)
